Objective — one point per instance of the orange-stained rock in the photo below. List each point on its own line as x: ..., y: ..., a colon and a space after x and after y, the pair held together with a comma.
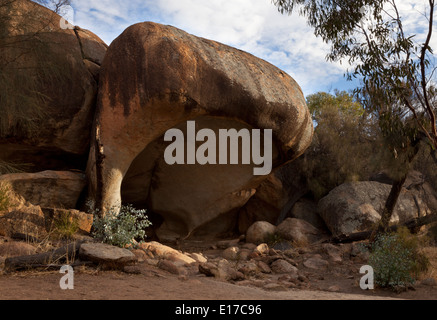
x: 157, y: 77
x: 51, y: 189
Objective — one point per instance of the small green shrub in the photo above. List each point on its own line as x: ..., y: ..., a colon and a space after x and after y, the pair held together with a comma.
x: 65, y: 226
x: 120, y: 229
x: 397, y: 260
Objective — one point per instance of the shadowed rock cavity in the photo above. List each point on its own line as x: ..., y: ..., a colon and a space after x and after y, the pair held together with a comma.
x: 50, y: 93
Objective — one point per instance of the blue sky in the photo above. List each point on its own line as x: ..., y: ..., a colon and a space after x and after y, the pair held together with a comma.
x: 254, y: 26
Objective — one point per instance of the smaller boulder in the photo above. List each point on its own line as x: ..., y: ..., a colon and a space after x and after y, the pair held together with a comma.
x: 109, y: 256
x: 259, y: 232
x: 298, y: 231
x: 306, y: 209
x: 83, y: 220
x: 355, y: 206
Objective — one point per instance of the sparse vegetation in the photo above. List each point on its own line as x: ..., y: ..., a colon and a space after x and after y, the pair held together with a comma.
x: 397, y: 259
x: 121, y: 229
x: 4, y: 197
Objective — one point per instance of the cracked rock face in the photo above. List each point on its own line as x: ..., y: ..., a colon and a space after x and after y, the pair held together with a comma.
x: 155, y: 78
x: 64, y: 65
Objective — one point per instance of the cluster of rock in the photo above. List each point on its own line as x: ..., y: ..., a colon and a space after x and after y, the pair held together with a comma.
x: 279, y: 267
x: 153, y: 78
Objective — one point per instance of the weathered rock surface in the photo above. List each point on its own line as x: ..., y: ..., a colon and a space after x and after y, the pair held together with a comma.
x: 222, y: 270
x: 51, y: 189
x: 316, y: 262
x: 356, y: 206
x: 417, y: 183
x: 160, y: 251
x: 275, y: 197
x: 157, y: 77
x: 50, y: 129
x: 107, y: 255
x: 15, y: 249
x: 26, y: 222
x: 83, y: 220
x: 232, y: 253
x: 265, y: 204
x: 282, y: 266
x: 259, y: 232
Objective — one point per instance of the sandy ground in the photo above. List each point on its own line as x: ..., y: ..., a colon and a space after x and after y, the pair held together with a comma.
x: 151, y: 283
x: 155, y: 284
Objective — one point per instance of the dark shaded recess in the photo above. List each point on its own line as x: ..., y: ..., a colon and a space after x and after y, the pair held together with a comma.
x: 35, y: 159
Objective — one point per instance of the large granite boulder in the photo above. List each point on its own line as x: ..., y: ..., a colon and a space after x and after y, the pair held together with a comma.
x: 50, y: 189
x: 357, y: 206
x: 155, y: 78
x: 49, y: 87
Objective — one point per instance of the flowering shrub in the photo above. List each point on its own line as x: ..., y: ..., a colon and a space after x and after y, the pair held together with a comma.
x: 121, y: 229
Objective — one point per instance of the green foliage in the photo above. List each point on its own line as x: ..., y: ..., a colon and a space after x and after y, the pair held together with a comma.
x: 345, y: 144
x: 65, y: 226
x: 12, y: 167
x: 397, y: 260
x: 121, y: 227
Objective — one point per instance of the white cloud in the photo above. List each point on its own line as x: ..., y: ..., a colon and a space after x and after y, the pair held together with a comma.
x: 253, y: 26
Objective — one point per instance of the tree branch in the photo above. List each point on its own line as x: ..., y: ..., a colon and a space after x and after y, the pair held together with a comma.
x: 364, y: 235
x: 425, y: 47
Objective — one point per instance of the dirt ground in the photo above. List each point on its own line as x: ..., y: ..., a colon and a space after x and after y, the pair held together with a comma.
x: 151, y: 283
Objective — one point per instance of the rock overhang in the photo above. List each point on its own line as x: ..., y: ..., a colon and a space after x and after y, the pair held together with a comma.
x: 155, y: 78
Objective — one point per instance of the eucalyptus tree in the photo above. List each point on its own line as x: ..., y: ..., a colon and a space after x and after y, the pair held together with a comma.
x: 394, y: 64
